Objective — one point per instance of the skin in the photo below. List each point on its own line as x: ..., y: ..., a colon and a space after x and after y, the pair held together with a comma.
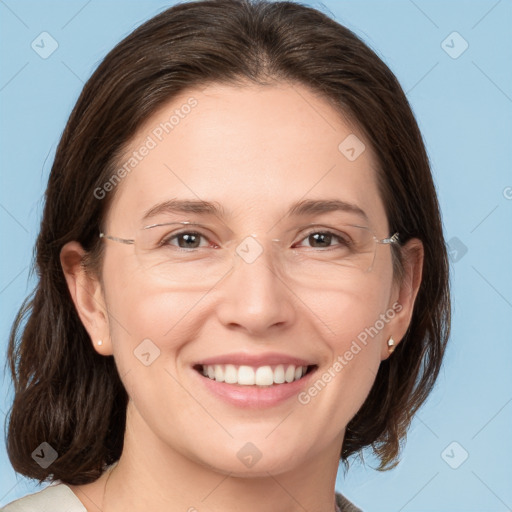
x: 255, y: 150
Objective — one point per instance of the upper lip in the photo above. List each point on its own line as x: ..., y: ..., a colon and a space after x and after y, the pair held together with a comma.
x: 256, y: 360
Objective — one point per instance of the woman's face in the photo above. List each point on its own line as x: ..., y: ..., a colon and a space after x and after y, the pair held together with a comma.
x: 254, y: 152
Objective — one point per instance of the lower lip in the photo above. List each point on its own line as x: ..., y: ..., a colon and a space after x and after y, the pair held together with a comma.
x: 255, y: 397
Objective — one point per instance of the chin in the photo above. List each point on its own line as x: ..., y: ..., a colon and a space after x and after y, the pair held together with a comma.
x: 250, y: 460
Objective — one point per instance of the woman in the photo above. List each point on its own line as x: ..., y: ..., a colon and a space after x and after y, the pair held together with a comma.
x: 243, y: 277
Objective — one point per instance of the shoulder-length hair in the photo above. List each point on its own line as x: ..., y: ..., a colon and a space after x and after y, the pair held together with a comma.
x: 69, y: 396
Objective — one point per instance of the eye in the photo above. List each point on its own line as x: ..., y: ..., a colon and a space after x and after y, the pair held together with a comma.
x: 186, y: 240
x: 325, y: 239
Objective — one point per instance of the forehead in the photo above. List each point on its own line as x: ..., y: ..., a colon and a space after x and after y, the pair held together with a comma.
x: 255, y: 150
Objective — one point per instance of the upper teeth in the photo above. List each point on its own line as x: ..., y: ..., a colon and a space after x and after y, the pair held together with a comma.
x: 249, y: 376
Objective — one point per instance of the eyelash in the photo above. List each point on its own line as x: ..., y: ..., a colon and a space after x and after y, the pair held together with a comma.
x: 166, y: 240
x: 341, y: 239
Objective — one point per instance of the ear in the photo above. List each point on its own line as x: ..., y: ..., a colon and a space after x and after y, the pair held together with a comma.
x: 87, y: 294
x: 405, y: 292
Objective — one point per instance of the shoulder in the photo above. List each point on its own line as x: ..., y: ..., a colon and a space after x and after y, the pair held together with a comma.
x: 54, y: 498
x: 345, y: 505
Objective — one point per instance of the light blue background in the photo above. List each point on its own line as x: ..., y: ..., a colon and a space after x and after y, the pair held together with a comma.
x: 464, y: 108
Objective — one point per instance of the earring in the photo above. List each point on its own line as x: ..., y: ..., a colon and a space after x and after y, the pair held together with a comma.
x: 100, y: 342
x: 391, y: 345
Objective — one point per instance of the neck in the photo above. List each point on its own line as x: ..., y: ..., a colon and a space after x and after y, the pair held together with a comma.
x: 150, y: 475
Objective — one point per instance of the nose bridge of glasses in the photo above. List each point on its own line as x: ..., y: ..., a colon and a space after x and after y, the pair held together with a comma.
x: 253, y: 247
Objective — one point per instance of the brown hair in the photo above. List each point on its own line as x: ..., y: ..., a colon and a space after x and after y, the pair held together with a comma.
x: 68, y: 395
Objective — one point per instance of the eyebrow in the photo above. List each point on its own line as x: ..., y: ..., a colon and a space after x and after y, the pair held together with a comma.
x: 300, y: 208
x: 315, y: 206
x: 186, y: 206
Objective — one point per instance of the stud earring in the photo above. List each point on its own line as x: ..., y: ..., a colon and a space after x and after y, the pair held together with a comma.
x: 391, y: 345
x: 100, y: 342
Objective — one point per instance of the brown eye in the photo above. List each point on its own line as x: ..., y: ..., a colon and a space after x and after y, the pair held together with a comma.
x: 189, y: 240
x: 320, y: 239
x: 185, y: 240
x: 324, y: 240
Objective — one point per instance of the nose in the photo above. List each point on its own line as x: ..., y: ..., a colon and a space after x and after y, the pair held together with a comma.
x: 255, y: 297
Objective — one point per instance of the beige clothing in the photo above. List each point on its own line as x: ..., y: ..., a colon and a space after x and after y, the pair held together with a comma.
x: 58, y: 497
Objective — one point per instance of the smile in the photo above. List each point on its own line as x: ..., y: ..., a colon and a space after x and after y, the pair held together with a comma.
x: 254, y: 381
x: 263, y: 376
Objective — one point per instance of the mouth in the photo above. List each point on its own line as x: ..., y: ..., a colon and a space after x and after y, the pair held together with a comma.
x: 254, y: 381
x: 255, y: 376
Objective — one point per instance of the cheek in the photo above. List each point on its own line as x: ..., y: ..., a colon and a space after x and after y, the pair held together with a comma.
x: 348, y: 314
x: 157, y: 315
x: 355, y: 324
x: 139, y: 311
x: 151, y: 329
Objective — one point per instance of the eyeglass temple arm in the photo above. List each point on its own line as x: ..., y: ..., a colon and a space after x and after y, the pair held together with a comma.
x: 391, y: 240
x: 117, y: 239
